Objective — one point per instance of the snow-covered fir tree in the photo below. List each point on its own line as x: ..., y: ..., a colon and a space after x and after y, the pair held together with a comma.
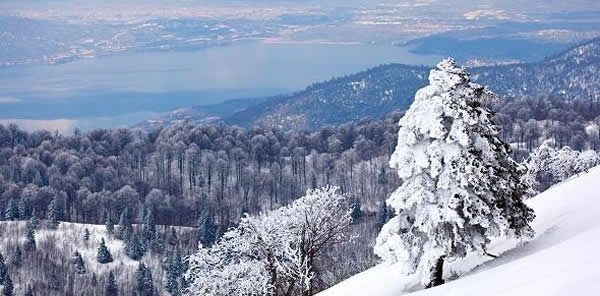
x: 207, y: 230
x: 24, y: 210
x: 110, y: 227
x: 94, y: 280
x: 3, y: 270
x: 356, y: 208
x: 172, y: 239
x: 8, y: 288
x: 382, y: 216
x: 86, y: 235
x: 144, y: 283
x: 110, y: 287
x: 460, y: 186
x: 34, y: 220
x: 12, y: 211
x: 29, y: 291
x: 103, y: 256
x: 134, y: 247
x: 54, y: 214
x: 175, y: 269
x: 157, y: 244
x: 30, y: 243
x: 17, y: 259
x: 78, y: 263
x: 54, y: 283
x: 125, y: 227
x: 149, y: 229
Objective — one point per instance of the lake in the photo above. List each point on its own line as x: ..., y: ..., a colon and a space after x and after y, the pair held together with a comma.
x: 126, y: 88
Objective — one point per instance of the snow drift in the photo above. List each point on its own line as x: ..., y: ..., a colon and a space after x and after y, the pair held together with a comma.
x: 560, y: 260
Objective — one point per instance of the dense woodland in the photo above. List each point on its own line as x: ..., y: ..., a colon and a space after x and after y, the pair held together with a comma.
x: 206, y: 177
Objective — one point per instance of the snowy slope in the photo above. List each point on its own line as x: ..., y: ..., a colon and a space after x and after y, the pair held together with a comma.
x: 560, y: 260
x: 55, y: 249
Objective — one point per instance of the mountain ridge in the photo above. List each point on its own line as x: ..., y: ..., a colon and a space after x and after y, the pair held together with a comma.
x: 379, y: 90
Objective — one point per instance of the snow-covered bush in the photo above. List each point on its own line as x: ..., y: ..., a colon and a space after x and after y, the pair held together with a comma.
x: 274, y: 252
x: 586, y: 160
x: 547, y: 166
x: 539, y: 174
x: 460, y: 187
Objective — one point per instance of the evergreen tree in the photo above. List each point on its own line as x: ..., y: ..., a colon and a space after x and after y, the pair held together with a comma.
x: 382, y: 216
x: 183, y: 285
x: 355, y: 207
x: 94, y: 280
x: 157, y: 244
x: 207, y: 230
x: 110, y: 227
x: 86, y: 235
x: 29, y: 291
x: 172, y: 238
x: 54, y: 213
x: 18, y: 259
x: 54, y: 283
x: 104, y: 256
x: 35, y: 220
x: 149, y: 229
x: 3, y: 270
x: 381, y: 177
x: 139, y: 279
x: 11, y: 212
x: 144, y: 282
x: 111, y: 288
x: 61, y: 204
x: 125, y: 227
x: 174, y: 288
x: 8, y: 288
x: 78, y: 263
x: 134, y: 247
x: 244, y: 210
x: 460, y: 186
x: 174, y: 269
x: 171, y: 283
x: 149, y: 283
x: 24, y: 210
x: 30, y: 244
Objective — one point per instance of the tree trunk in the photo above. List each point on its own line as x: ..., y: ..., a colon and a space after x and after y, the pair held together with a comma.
x: 436, y: 273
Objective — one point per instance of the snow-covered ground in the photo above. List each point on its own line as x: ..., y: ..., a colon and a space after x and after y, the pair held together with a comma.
x: 55, y: 248
x: 560, y: 260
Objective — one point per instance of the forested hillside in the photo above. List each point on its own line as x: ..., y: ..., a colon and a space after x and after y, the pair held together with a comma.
x: 207, y: 176
x: 373, y: 93
x: 203, y: 177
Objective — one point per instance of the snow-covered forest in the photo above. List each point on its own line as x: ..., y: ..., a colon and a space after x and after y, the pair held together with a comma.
x: 153, y: 197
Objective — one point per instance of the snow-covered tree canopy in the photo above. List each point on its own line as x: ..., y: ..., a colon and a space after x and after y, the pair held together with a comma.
x: 547, y: 166
x: 274, y: 253
x: 460, y: 187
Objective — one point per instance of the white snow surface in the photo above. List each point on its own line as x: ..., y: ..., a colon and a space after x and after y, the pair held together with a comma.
x: 560, y: 260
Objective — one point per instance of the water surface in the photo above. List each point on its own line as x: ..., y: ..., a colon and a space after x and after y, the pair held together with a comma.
x: 129, y: 87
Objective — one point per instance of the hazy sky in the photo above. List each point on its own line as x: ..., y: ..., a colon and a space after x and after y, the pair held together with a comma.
x: 513, y: 5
